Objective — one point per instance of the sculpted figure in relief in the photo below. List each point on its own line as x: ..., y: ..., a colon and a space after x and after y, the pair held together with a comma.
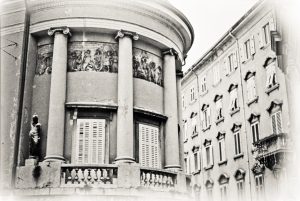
x: 34, y: 137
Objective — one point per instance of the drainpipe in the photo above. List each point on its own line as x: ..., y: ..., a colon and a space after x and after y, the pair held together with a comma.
x: 21, y: 93
x: 244, y: 113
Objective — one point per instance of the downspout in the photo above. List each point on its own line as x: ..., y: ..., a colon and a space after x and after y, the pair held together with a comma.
x: 21, y: 93
x: 244, y: 113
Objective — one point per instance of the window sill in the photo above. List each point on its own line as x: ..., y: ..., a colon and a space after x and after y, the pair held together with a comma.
x: 247, y: 60
x: 192, y: 102
x: 185, y: 141
x: 217, y: 83
x: 230, y: 73
x: 194, y: 135
x: 266, y: 45
x: 209, y: 167
x: 236, y: 110
x: 204, y: 93
x: 207, y: 128
x: 241, y: 155
x: 222, y: 162
x: 219, y: 120
x: 272, y: 88
x: 255, y: 100
x: 197, y: 172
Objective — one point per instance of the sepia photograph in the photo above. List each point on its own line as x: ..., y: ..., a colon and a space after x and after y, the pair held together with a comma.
x: 149, y: 100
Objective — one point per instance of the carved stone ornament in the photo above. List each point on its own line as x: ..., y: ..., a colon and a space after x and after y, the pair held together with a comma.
x: 44, y: 59
x: 171, y: 52
x: 63, y: 30
x: 34, y: 137
x: 122, y: 33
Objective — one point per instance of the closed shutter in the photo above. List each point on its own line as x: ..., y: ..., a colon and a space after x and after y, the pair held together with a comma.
x: 273, y: 117
x: 204, y: 157
x: 235, y: 63
x: 149, y: 150
x: 252, y: 45
x: 208, y: 116
x: 90, y: 141
x: 242, y: 55
x: 278, y: 122
x: 202, y: 119
x: 211, y: 155
x: 272, y: 24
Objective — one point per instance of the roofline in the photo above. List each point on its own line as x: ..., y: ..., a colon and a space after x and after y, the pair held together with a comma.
x: 226, y: 35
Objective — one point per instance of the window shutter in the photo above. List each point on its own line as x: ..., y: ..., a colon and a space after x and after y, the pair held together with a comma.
x: 242, y: 54
x: 278, y: 122
x: 199, y: 163
x: 202, y: 119
x: 235, y: 63
x: 252, y: 45
x: 274, y: 124
x: 272, y: 24
x: 208, y: 116
x: 249, y: 90
x: 211, y: 155
x: 226, y: 66
x: 90, y: 145
x: 149, y: 146
x: 260, y: 35
x: 204, y: 157
x: 188, y: 165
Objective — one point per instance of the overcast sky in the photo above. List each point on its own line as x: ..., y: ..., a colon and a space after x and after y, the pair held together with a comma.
x: 211, y: 19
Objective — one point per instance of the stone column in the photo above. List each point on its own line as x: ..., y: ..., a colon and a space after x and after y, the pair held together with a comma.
x: 56, y: 120
x: 125, y: 132
x: 170, y: 107
x: 179, y: 76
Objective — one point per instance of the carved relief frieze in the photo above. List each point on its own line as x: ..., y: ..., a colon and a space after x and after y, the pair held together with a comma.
x: 44, y: 59
x: 93, y: 56
x: 147, y: 66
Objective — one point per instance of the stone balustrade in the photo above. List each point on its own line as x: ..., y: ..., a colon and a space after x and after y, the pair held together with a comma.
x: 80, y: 175
x: 158, y: 178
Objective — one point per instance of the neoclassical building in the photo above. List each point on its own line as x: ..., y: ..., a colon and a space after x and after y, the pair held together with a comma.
x: 89, y: 97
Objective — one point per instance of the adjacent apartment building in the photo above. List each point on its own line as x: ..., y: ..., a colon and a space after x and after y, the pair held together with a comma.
x: 237, y: 127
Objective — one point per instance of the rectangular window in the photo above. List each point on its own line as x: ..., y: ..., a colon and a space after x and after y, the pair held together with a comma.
x: 90, y: 141
x: 222, y: 152
x: 247, y: 49
x: 255, y: 131
x: 251, y: 88
x: 276, y: 122
x: 208, y: 159
x: 197, y: 161
x: 240, y: 190
x: 259, y: 186
x: 233, y: 100
x: 186, y: 164
x: 183, y: 103
x: 205, y: 117
x: 237, y: 143
x: 185, y: 130
x: 219, y: 107
x: 216, y: 72
x: 266, y: 33
x: 223, y: 189
x: 192, y: 94
x: 231, y: 62
x: 149, y: 147
x: 203, y: 85
x: 271, y: 75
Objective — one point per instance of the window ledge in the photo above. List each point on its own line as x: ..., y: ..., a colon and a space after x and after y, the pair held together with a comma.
x: 254, y: 100
x: 219, y: 120
x: 224, y: 162
x: 272, y: 88
x: 236, y: 110
x: 265, y: 46
x: 209, y: 167
x: 217, y: 83
x: 241, y: 155
x: 230, y: 73
x: 192, y: 102
x: 204, y: 93
x: 197, y: 172
x: 185, y: 141
x: 194, y: 135
x: 207, y: 128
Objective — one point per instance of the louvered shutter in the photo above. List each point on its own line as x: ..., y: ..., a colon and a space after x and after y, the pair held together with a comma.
x: 274, y: 124
x: 260, y: 35
x: 199, y: 163
x: 278, y: 122
x: 242, y: 54
x: 204, y: 157
x: 252, y: 45
x: 202, y: 119
x: 272, y: 24
x: 208, y: 115
x: 90, y: 141
x: 188, y: 165
x: 211, y: 153
x: 149, y: 150
x: 235, y: 63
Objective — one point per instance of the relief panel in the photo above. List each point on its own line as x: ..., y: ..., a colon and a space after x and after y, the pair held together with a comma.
x: 147, y: 66
x: 44, y: 59
x: 92, y: 56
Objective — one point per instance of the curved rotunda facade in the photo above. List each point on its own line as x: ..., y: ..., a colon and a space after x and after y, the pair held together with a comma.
x: 101, y: 82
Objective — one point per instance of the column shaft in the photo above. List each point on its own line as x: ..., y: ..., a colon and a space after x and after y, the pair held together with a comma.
x: 170, y: 106
x: 125, y: 102
x: 56, y: 120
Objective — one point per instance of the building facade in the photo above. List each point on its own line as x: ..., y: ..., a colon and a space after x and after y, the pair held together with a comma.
x: 236, y: 111
x: 89, y: 98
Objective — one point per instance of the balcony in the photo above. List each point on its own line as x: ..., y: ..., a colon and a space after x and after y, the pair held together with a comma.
x: 271, y: 150
x: 54, y: 178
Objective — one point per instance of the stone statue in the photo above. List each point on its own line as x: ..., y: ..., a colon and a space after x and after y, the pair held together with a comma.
x: 34, y: 137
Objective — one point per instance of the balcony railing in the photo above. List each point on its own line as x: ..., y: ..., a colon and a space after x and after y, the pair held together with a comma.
x: 81, y: 175
x: 155, y: 178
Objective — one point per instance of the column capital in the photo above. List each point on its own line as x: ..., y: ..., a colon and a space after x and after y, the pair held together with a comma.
x: 179, y: 73
x: 63, y: 30
x: 170, y: 51
x: 122, y: 33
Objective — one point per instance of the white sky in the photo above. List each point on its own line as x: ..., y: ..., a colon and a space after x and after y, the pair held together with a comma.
x: 210, y: 20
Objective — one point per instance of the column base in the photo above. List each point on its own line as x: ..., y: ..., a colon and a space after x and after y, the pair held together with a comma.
x: 124, y: 159
x: 54, y: 158
x: 175, y: 168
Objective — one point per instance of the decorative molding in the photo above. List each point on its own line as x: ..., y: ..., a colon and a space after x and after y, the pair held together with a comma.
x: 44, y: 59
x: 239, y: 174
x: 224, y: 178
x: 170, y: 51
x: 123, y: 33
x: 64, y: 30
x: 274, y: 104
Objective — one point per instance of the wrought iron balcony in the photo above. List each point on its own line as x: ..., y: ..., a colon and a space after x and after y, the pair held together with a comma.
x: 271, y: 150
